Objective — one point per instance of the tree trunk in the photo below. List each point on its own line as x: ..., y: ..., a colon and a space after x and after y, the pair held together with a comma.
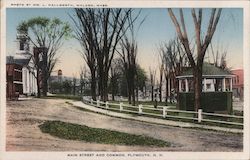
x: 129, y: 95
x: 45, y: 75
x: 81, y: 89
x: 197, y: 86
x: 152, y: 93
x: 93, y: 85
x: 38, y: 85
x: 160, y: 91
x: 113, y: 87
x: 45, y: 87
x: 74, y: 89
x: 100, y: 82
x: 171, y: 88
x: 133, y: 92
x: 137, y: 94
x: 105, y: 88
x: 113, y: 96
x: 167, y: 90
x: 177, y: 94
x: 128, y: 85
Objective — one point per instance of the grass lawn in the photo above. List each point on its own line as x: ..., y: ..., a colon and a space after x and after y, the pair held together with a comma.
x: 147, y: 103
x: 84, y: 133
x: 65, y: 96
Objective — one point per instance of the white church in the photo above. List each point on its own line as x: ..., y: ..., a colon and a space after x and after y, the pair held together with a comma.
x: 24, y: 58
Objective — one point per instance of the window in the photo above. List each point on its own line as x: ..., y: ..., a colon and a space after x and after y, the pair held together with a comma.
x: 208, y: 86
x: 21, y: 46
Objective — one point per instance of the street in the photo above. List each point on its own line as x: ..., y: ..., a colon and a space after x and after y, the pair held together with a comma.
x: 23, y: 133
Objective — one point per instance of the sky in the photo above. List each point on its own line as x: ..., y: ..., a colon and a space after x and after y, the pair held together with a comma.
x: 157, y: 28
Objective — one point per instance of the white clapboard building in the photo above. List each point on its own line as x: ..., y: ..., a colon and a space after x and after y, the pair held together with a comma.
x: 24, y: 58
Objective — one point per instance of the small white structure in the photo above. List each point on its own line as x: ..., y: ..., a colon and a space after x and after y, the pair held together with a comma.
x: 216, y: 93
x: 213, y: 79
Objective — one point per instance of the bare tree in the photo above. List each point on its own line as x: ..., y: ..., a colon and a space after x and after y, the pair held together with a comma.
x: 174, y: 60
x: 104, y: 28
x: 116, y: 72
x: 219, y: 57
x: 218, y: 60
x: 201, y: 44
x: 128, y: 56
x: 86, y: 27
x: 152, y: 74
x: 161, y: 69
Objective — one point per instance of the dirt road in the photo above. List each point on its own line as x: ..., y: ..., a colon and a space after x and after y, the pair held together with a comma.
x: 23, y: 134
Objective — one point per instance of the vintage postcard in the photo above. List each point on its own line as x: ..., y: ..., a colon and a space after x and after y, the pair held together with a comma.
x: 124, y: 80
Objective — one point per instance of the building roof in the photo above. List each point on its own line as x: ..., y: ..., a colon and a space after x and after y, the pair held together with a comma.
x: 208, y: 70
x: 23, y: 61
x: 10, y: 60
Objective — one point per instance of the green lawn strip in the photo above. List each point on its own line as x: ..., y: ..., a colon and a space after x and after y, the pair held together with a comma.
x: 65, y: 96
x: 146, y: 103
x: 84, y: 133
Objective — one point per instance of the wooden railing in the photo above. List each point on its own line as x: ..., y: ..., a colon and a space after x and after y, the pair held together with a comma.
x: 167, y: 113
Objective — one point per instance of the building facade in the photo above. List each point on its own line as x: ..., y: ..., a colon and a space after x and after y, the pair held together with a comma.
x: 14, y: 84
x: 20, y: 70
x: 238, y: 83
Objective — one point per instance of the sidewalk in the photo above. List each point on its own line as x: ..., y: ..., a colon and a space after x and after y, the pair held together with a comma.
x: 153, y: 120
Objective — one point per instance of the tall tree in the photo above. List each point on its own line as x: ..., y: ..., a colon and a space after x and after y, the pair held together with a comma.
x: 202, y: 43
x: 161, y: 69
x: 174, y: 60
x: 102, y: 29
x: 128, y: 56
x: 219, y: 57
x: 141, y: 79
x: 48, y: 34
x: 86, y: 27
x: 116, y: 72
x: 152, y: 74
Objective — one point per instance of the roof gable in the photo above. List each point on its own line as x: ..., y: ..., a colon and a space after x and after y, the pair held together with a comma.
x: 208, y: 69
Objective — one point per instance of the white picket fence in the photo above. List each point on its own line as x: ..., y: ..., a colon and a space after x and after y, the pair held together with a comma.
x: 167, y: 112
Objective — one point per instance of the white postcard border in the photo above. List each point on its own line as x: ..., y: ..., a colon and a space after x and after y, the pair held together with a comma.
x: 138, y: 4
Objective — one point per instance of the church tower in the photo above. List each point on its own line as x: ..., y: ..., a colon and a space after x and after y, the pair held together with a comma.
x: 22, y: 43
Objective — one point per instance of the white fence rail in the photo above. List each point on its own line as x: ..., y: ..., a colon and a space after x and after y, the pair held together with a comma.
x: 166, y: 112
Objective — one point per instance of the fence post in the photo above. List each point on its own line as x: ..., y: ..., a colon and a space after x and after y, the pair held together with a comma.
x: 121, y: 108
x: 107, y: 104
x: 164, y: 112
x: 91, y: 101
x: 199, y: 115
x: 140, y: 109
x: 98, y: 103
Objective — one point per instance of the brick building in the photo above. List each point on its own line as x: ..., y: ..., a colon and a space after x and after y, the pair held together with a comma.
x: 14, y: 80
x: 238, y: 83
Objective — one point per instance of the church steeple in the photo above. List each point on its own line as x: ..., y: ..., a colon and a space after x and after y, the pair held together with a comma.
x: 23, y: 42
